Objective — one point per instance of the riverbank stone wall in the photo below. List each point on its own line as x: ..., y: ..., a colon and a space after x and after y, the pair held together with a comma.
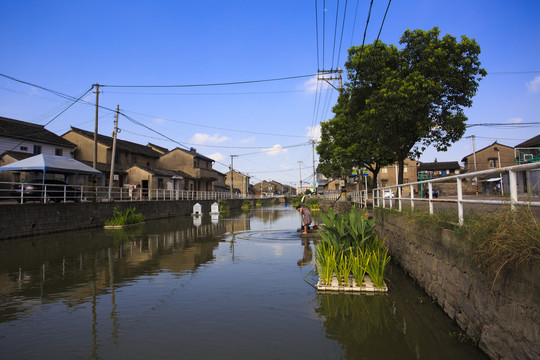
x: 18, y: 220
x: 504, y: 318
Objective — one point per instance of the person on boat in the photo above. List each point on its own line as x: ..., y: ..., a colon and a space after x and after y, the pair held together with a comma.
x: 306, y: 218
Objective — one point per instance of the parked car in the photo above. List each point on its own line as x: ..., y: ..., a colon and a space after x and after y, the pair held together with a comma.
x: 388, y: 194
x: 434, y: 192
x: 50, y: 190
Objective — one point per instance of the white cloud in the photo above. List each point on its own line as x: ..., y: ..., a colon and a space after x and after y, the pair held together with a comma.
x: 515, y: 120
x: 534, y: 86
x: 248, y: 140
x: 217, y: 156
x: 199, y: 138
x: 285, y: 166
x: 312, y: 84
x: 159, y: 120
x: 275, y: 150
x: 314, y: 132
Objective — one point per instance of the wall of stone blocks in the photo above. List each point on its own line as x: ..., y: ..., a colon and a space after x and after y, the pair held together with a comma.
x: 503, y: 317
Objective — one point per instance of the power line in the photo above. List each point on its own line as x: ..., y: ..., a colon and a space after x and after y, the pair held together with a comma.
x: 220, y: 128
x: 211, y: 84
x: 317, y: 32
x: 384, y: 18
x: 342, y: 31
x: 524, y: 125
x: 335, y: 34
x: 367, y: 23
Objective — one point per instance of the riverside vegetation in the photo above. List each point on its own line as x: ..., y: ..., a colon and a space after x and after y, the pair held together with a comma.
x: 126, y: 217
x: 350, y: 246
x: 498, y: 241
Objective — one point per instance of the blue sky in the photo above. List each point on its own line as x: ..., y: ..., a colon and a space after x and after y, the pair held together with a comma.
x: 67, y: 46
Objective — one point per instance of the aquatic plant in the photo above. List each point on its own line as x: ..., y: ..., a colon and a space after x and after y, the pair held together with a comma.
x: 355, y: 246
x: 223, y: 207
x: 258, y: 203
x: 360, y: 261
x: 126, y: 217
x: 325, y: 261
x: 343, y: 267
x: 246, y: 205
x: 377, y: 264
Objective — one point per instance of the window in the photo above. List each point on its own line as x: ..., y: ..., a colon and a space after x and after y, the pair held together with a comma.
x: 37, y: 149
x: 492, y: 163
x: 24, y: 148
x: 384, y: 170
x: 160, y: 183
x: 58, y: 152
x: 195, y: 163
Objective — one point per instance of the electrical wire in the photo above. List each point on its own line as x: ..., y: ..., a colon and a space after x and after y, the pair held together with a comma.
x: 335, y: 34
x: 365, y: 29
x: 317, y: 32
x: 211, y: 84
x: 517, y: 125
x: 384, y: 18
x: 342, y: 31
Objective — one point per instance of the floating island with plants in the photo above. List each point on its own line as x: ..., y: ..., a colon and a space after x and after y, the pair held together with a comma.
x: 349, y: 255
x: 122, y: 219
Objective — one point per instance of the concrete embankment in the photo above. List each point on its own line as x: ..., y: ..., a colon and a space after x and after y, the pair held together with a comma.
x: 34, y: 218
x: 503, y: 318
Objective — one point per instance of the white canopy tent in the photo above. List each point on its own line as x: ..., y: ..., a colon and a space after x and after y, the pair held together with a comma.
x: 51, y: 164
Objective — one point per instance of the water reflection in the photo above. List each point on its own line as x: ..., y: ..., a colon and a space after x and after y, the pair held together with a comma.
x: 222, y: 289
x: 76, y: 269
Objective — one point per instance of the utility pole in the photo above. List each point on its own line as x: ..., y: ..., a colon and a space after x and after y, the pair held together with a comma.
x: 326, y: 75
x: 232, y: 167
x: 474, y: 156
x: 300, y: 167
x: 111, y: 176
x: 313, y: 142
x: 94, y: 164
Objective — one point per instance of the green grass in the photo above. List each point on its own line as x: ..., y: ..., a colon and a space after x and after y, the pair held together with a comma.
x: 497, y: 241
x: 126, y: 217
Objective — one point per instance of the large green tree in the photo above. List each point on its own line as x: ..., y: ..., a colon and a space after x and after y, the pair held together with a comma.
x: 397, y: 102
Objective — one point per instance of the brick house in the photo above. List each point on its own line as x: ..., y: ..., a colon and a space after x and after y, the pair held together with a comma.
x: 127, y: 155
x: 388, y: 175
x: 198, y: 166
x: 488, y: 158
x: 240, y: 181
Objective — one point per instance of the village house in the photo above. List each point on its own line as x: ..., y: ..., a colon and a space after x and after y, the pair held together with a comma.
x: 20, y: 140
x: 488, y: 158
x: 127, y: 155
x: 437, y: 169
x: 239, y: 181
x: 197, y: 166
x: 529, y: 152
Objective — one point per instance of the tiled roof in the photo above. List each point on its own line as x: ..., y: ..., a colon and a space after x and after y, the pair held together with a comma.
x: 22, y: 130
x: 194, y: 153
x: 477, y: 151
x: 121, y: 145
x: 17, y: 155
x: 439, y: 165
x: 164, y: 172
x: 534, y: 142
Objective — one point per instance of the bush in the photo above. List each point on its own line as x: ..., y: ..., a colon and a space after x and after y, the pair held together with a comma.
x: 126, y: 217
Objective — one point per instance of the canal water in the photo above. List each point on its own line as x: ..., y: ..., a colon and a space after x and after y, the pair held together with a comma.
x: 237, y: 287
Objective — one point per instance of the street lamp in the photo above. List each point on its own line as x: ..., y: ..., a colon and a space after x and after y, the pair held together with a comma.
x: 500, y: 174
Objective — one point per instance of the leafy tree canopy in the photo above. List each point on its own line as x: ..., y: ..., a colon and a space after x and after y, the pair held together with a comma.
x: 399, y: 101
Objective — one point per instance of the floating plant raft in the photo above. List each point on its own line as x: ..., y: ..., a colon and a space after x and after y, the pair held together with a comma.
x: 367, y: 286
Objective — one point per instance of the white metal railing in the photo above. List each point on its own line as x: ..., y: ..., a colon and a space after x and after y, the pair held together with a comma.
x: 58, y: 192
x: 459, y: 200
